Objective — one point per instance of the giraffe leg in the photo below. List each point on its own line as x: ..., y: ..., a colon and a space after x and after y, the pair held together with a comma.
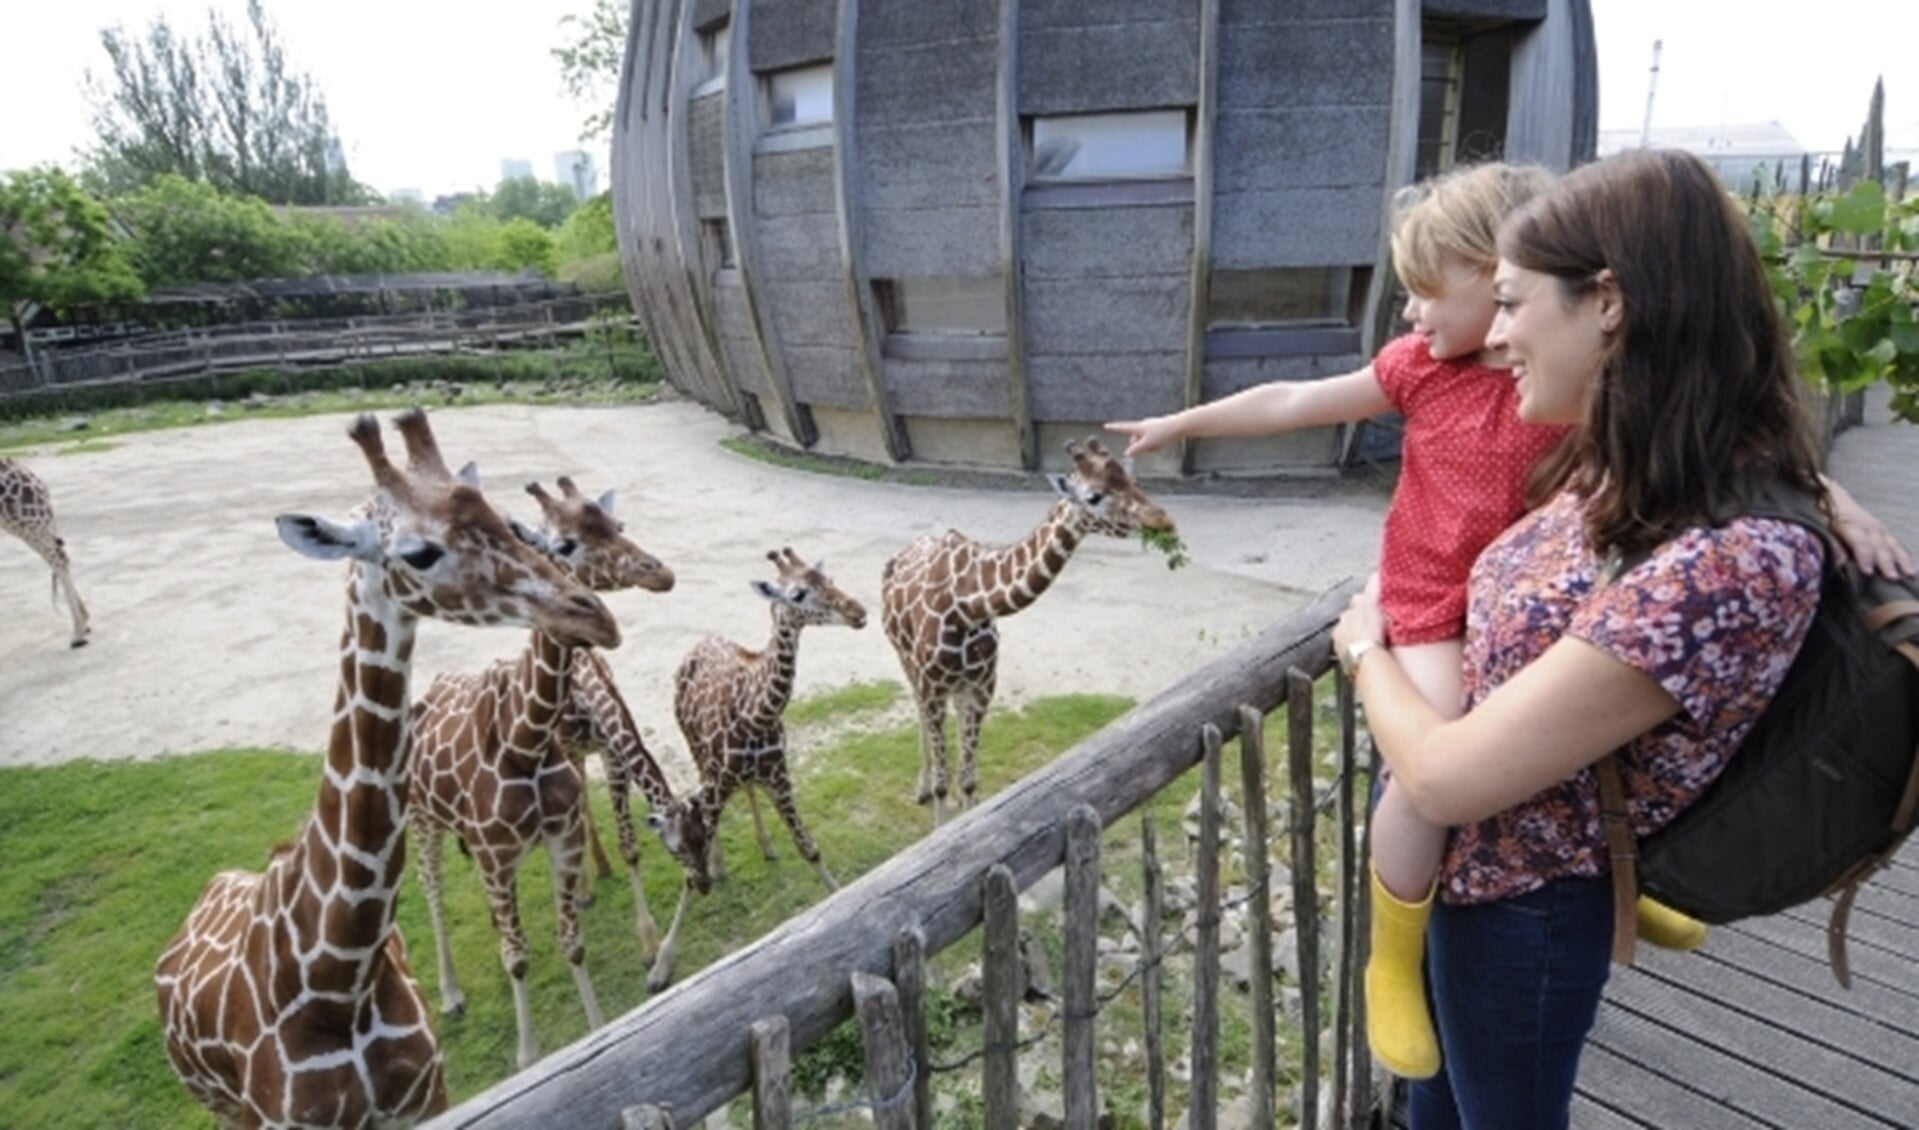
x: 602, y: 863
x: 567, y: 851
x: 662, y: 972
x: 82, y: 621
x: 781, y: 787
x: 972, y: 712
x: 431, y: 839
x: 644, y: 927
x: 759, y: 825
x: 501, y: 877
x: 933, y: 762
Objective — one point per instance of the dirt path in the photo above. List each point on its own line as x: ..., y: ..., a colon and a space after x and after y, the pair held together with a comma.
x: 209, y: 633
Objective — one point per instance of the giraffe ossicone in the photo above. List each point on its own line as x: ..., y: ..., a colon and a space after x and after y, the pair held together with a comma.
x: 285, y: 997
x: 942, y: 596
x: 26, y: 512
x: 487, y: 766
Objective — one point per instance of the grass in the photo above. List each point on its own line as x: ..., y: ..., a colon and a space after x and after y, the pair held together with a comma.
x: 105, y: 858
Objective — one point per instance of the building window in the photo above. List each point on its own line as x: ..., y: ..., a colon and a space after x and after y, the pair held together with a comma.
x: 802, y: 96
x: 716, y: 245
x: 1130, y: 146
x: 715, y: 44
x: 1273, y: 297
x: 1441, y: 70
x: 942, y: 305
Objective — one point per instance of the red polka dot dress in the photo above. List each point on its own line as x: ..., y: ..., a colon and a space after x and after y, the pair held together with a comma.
x: 1463, y: 463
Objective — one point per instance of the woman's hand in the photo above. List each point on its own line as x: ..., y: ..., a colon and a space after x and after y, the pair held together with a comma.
x: 1363, y: 621
x: 1871, y: 545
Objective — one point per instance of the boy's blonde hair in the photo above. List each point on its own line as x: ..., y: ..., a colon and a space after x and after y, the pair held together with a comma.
x: 1455, y: 218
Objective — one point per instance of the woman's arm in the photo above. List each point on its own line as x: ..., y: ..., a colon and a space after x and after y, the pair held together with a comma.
x: 1267, y: 409
x: 1865, y: 537
x: 1564, y: 711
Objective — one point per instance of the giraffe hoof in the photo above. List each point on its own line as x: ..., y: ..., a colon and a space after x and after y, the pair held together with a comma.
x: 657, y: 980
x: 453, y: 1010
x: 925, y: 797
x: 78, y: 643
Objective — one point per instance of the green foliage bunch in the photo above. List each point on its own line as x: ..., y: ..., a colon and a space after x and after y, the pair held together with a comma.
x: 57, y: 246
x: 1843, y: 266
x: 526, y: 198
x: 188, y: 231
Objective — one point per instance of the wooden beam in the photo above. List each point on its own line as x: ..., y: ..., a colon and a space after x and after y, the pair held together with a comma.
x: 1200, y: 286
x: 1012, y: 185
x: 695, y: 276
x: 849, y: 210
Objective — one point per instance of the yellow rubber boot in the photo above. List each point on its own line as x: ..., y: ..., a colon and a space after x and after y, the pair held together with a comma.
x: 1398, y: 1025
x: 1668, y: 928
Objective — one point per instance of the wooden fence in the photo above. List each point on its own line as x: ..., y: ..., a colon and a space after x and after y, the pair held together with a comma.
x: 330, y: 341
x: 733, y: 1028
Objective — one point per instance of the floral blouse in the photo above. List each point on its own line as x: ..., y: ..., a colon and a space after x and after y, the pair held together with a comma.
x: 1715, y: 615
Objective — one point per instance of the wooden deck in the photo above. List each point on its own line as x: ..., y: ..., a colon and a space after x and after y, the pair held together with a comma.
x: 1753, y: 1031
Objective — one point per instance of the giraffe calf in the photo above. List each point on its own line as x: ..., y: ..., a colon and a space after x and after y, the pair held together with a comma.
x: 730, y: 701
x: 26, y: 512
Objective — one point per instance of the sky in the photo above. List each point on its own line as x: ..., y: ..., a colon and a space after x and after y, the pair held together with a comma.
x: 433, y: 94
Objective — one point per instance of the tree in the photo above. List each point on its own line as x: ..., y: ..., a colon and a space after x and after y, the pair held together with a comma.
x: 188, y: 231
x: 547, y: 205
x: 225, y: 109
x: 590, y: 63
x: 57, y: 247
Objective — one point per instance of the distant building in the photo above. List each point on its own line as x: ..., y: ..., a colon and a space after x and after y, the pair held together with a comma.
x: 970, y: 231
x: 335, y: 157
x: 514, y: 168
x: 1740, y: 152
x: 407, y: 196
x: 574, y: 168
x: 452, y: 202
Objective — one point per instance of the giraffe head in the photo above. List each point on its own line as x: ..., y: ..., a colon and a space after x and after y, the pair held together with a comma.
x: 435, y: 547
x: 807, y: 595
x: 1102, y: 488
x: 684, y: 833
x: 583, y: 537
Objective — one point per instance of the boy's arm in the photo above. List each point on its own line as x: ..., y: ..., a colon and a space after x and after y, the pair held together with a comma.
x: 1267, y: 409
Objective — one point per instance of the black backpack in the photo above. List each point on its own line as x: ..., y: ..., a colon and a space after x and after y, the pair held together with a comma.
x: 1825, y: 788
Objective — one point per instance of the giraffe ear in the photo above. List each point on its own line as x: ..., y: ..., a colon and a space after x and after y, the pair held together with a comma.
x: 769, y: 591
x: 1063, y: 485
x: 606, y: 504
x: 535, y: 538
x: 470, y: 474
x: 328, y: 541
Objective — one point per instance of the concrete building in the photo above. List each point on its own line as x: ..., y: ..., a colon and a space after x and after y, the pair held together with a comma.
x: 576, y: 169
x: 515, y: 168
x: 962, y: 232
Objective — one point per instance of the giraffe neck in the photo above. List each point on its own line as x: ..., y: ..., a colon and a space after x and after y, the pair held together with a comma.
x: 540, y: 683
x: 775, y: 669
x: 1011, y: 578
x: 593, y: 682
x: 352, y: 852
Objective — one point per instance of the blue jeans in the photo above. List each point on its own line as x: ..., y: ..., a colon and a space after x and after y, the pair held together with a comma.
x: 1515, y: 987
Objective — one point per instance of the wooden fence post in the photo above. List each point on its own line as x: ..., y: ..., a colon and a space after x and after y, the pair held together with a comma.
x: 1082, y: 959
x: 1202, y: 1107
x: 909, y: 978
x: 1299, y: 765
x: 770, y: 1040
x: 1000, y: 986
x: 1259, y: 869
x: 889, y: 1066
x: 1151, y: 959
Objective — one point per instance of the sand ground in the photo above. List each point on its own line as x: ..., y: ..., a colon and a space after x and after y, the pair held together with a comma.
x: 209, y: 633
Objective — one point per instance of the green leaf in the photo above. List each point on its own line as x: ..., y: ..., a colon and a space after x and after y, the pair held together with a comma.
x: 1861, y: 211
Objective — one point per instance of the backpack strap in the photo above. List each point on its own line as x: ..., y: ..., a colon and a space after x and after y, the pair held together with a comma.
x: 1624, y: 849
x: 1903, y: 817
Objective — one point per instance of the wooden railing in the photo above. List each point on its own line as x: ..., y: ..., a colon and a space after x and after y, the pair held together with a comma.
x: 731, y: 1029
x: 329, y: 341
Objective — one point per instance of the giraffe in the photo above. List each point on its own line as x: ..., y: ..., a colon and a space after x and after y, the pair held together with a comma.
x: 729, y: 703
x: 941, y: 597
x: 26, y: 512
x: 285, y: 997
x: 597, y: 715
x: 485, y: 766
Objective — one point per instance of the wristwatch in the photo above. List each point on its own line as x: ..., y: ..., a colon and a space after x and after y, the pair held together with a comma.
x: 1350, y: 656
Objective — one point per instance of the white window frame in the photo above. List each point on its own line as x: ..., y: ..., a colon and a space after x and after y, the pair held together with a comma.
x: 811, y: 90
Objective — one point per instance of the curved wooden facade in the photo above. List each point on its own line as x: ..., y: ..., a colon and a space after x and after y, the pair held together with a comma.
x: 962, y: 231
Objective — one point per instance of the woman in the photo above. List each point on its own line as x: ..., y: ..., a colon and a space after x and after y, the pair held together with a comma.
x: 1684, y: 400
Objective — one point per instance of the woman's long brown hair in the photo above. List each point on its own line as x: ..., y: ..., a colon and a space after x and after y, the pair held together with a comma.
x: 1698, y: 404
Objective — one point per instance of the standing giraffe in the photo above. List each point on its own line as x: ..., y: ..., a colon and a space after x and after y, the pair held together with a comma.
x: 26, y: 512
x: 486, y: 767
x: 285, y: 997
x: 729, y: 702
x: 597, y: 715
x: 941, y: 597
